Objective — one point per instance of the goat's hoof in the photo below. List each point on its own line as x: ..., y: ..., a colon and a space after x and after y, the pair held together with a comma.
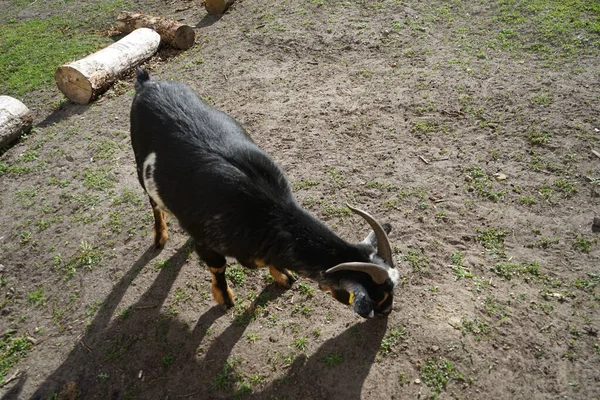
x: 223, y: 298
x: 160, y: 241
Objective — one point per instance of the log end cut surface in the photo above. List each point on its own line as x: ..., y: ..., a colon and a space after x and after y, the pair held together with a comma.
x: 73, y: 84
x: 185, y: 37
x: 216, y: 7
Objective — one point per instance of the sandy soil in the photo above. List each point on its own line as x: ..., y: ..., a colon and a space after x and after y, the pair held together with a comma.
x: 479, y: 157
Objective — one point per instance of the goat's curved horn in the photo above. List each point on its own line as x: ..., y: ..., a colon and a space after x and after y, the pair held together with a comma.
x: 377, y: 272
x: 384, y: 249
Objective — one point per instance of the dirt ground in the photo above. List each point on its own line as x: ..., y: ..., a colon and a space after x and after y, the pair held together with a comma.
x: 476, y: 148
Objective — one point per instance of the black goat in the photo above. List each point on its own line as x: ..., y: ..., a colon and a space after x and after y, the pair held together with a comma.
x: 201, y: 166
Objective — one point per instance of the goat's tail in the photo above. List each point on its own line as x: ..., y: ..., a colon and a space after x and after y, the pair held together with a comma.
x: 142, y: 77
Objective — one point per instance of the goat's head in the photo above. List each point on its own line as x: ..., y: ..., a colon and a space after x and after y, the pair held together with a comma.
x: 372, y: 291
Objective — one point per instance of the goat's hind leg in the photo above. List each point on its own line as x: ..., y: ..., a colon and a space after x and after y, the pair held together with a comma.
x: 161, y: 233
x: 217, y: 264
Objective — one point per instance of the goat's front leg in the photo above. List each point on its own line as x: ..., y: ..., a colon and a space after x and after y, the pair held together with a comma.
x: 161, y: 234
x: 217, y: 264
x: 282, y: 276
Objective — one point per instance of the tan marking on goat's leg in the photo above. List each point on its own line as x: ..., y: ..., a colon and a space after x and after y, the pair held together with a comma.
x: 161, y: 233
x: 280, y: 277
x: 221, y: 292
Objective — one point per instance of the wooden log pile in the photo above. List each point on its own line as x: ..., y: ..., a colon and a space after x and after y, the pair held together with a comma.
x: 83, y: 80
x: 179, y: 36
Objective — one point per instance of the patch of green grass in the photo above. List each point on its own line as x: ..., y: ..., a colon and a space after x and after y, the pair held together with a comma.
x: 391, y: 339
x: 567, y: 188
x: 527, y: 200
x: 331, y: 211
x: 114, y: 222
x: 482, y: 184
x: 587, y: 284
x: 30, y: 155
x: 304, y: 184
x: 544, y: 243
x: 225, y: 379
x: 424, y: 127
x: 507, y: 270
x: 417, y: 259
x: 13, y: 170
x: 252, y: 337
x: 127, y: 196
x: 542, y: 99
x: 119, y: 346
x: 378, y: 185
x: 436, y: 373
x: 537, y: 138
x: 459, y: 270
x: 584, y: 244
x: 50, y: 42
x: 551, y: 28
x: 167, y: 361
x: 306, y: 289
x: 160, y: 264
x: 474, y: 326
x: 88, y: 257
x: 416, y: 192
x: 98, y: 178
x: 104, y: 150
x: 301, y: 343
x: 491, y: 238
x: 12, y: 349
x: 37, y: 297
x: 236, y: 275
x: 494, y: 309
x: 305, y: 310
x: 333, y: 359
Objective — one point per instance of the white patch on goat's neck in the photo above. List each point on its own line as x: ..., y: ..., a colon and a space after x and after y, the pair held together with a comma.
x: 149, y: 182
x: 394, y: 275
x: 372, y: 257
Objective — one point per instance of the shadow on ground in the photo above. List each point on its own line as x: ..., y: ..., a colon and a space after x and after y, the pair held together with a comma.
x: 109, y: 359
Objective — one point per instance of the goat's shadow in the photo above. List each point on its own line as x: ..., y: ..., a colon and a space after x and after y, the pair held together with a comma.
x: 151, y: 355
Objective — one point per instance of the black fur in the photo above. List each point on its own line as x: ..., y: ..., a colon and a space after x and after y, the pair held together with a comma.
x: 229, y: 195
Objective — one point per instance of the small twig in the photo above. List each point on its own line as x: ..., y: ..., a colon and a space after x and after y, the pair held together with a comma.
x: 144, y: 307
x: 544, y: 328
x: 440, y: 200
x: 225, y: 75
x: 424, y: 160
x: 442, y: 159
x: 12, y: 378
x: 596, y: 153
x: 86, y: 346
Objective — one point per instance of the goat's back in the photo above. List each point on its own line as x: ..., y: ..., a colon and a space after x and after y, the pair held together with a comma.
x: 206, y: 167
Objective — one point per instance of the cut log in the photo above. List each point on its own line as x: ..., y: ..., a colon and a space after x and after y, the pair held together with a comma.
x: 179, y: 36
x: 217, y: 6
x: 15, y: 119
x: 81, y: 81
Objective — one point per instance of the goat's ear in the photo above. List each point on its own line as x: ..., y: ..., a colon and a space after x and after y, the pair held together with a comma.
x: 371, y: 239
x: 362, y: 303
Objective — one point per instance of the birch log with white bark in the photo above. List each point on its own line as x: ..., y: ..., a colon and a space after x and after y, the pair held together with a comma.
x: 81, y: 81
x: 217, y: 6
x: 179, y: 36
x: 15, y: 119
